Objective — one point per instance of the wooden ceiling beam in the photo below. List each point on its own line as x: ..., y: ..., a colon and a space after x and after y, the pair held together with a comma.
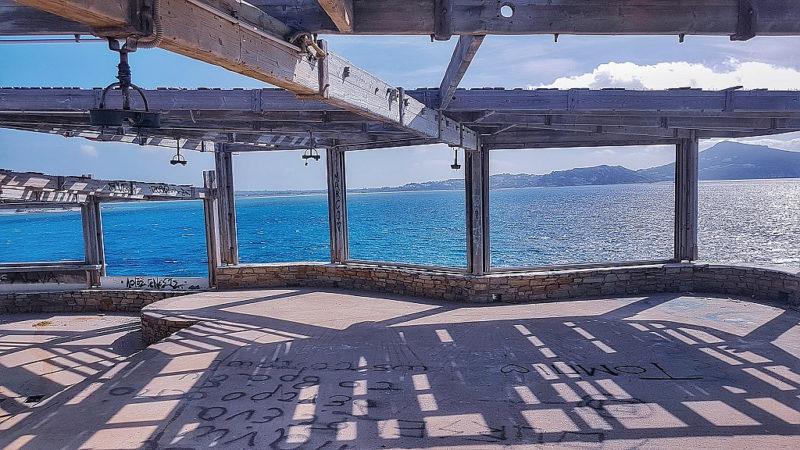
x: 194, y: 29
x: 19, y: 20
x: 676, y: 102
x: 30, y: 185
x: 579, y: 17
x: 480, y: 17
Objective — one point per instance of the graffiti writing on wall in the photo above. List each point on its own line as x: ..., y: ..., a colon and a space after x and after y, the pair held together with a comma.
x: 154, y: 283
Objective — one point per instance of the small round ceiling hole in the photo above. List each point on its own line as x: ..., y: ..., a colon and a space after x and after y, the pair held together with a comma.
x: 507, y: 10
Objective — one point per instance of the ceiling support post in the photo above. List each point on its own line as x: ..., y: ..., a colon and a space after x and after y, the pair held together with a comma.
x: 229, y: 244
x: 686, y: 198
x: 210, y: 213
x: 93, y: 246
x: 337, y: 205
x: 476, y: 182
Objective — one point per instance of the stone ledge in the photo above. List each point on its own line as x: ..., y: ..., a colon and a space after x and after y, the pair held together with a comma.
x: 85, y: 300
x: 521, y: 286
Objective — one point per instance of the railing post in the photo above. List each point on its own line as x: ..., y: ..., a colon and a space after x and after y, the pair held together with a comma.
x: 476, y: 183
x: 337, y: 205
x: 686, y: 197
x: 226, y: 206
x: 210, y: 212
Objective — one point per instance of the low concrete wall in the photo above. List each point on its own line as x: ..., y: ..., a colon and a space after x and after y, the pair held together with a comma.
x: 86, y: 300
x: 763, y: 284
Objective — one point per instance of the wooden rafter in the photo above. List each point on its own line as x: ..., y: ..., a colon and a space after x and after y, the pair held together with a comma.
x: 205, y: 33
x: 465, y: 51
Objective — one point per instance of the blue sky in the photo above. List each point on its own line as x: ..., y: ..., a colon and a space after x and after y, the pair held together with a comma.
x: 408, y: 61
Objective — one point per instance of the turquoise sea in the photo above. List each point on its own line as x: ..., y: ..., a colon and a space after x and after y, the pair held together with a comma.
x: 753, y: 221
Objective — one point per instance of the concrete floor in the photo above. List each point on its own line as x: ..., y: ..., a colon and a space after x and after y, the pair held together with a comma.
x: 41, y: 355
x: 301, y: 368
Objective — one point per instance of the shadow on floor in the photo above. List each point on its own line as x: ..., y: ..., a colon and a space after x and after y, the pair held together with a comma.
x: 304, y: 368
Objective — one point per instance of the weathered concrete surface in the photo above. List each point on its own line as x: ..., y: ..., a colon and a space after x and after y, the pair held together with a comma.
x: 305, y: 368
x: 42, y: 355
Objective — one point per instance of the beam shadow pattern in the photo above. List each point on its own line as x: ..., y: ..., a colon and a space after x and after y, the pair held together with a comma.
x: 306, y: 368
x: 42, y: 355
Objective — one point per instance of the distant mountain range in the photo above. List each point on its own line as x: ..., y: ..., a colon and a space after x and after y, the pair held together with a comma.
x: 724, y: 161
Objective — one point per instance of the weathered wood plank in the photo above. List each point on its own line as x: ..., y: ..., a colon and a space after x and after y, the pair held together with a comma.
x: 19, y: 20
x: 476, y: 17
x: 686, y: 198
x: 93, y: 240
x: 585, y: 101
x: 96, y: 14
x: 210, y: 214
x: 250, y: 14
x: 676, y: 104
x: 560, y: 139
x: 340, y: 12
x: 607, y: 17
x: 256, y: 116
x: 465, y: 51
x: 476, y: 183
x: 337, y: 206
x: 226, y: 206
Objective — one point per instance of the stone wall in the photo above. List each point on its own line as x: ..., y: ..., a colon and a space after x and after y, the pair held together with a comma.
x: 521, y: 286
x: 748, y: 281
x: 86, y: 300
x: 156, y: 327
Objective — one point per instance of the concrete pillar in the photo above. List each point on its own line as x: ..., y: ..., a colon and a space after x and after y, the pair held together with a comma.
x: 93, y: 245
x: 210, y: 213
x: 337, y: 206
x: 686, y: 184
x: 226, y: 206
x: 476, y: 183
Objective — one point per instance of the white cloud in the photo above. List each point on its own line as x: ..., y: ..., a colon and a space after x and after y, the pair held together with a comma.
x: 750, y: 75
x: 89, y: 150
x: 788, y: 141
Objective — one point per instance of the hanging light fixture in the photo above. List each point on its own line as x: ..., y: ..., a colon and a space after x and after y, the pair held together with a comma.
x: 311, y: 152
x: 103, y: 116
x: 455, y: 165
x: 178, y: 158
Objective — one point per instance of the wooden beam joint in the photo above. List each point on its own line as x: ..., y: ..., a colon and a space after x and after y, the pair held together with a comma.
x: 442, y: 20
x: 340, y: 12
x: 746, y: 22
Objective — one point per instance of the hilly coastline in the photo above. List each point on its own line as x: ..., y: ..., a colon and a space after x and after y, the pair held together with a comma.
x: 724, y: 161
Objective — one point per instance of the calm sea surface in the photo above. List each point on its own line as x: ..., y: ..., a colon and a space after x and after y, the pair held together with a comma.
x: 756, y: 222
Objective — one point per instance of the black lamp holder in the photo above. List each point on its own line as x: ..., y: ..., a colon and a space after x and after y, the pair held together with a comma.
x: 116, y: 117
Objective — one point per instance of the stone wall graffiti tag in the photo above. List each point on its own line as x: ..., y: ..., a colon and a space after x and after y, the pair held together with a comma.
x: 154, y: 283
